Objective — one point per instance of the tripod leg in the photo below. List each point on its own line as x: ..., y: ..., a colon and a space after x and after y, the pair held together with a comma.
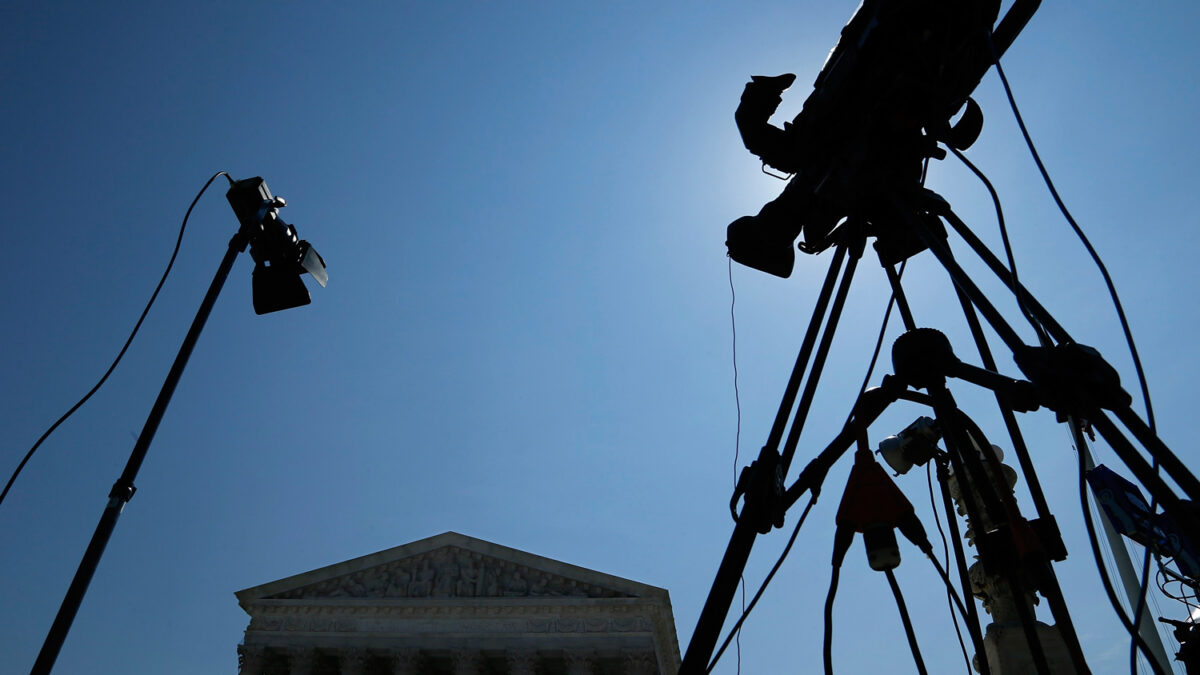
x: 1010, y: 420
x: 1134, y: 633
x: 906, y: 314
x: 1147, y: 476
x: 720, y: 597
x: 961, y: 454
x: 1169, y: 460
x: 1043, y: 570
x: 814, y: 376
x: 737, y: 553
x: 941, y: 250
x: 810, y: 339
x: 1027, y: 300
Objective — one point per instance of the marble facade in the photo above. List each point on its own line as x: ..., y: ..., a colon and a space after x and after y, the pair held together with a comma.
x: 456, y: 605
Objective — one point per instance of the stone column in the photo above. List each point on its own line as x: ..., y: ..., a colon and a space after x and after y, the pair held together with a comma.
x: 251, y: 659
x: 466, y: 661
x: 580, y: 661
x: 639, y: 663
x: 523, y: 662
x: 1005, y: 644
x: 352, y: 661
x: 301, y: 660
x: 406, y: 661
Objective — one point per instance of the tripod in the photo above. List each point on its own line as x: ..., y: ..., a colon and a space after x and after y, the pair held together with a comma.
x: 1059, y: 374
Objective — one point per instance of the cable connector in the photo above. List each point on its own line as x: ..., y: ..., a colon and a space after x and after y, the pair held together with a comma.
x: 873, y: 505
x: 910, y: 526
x: 122, y: 491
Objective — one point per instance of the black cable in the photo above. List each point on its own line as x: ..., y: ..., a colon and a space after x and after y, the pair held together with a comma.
x: 907, y: 621
x: 124, y: 348
x: 735, y: 631
x: 950, y: 593
x: 1140, y: 605
x: 1176, y: 576
x: 737, y: 398
x: 1144, y: 580
x: 1182, y: 597
x: 1095, y: 543
x: 1162, y: 578
x: 737, y: 439
x: 761, y: 589
x: 827, y: 641
x: 887, y: 314
x: 842, y: 538
x: 912, y: 530
x: 874, y: 357
x: 833, y: 582
x: 1112, y: 291
x: 1043, y: 337
x: 870, y: 369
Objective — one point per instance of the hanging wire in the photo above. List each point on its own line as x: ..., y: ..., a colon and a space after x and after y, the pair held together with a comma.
x: 1112, y: 290
x: 749, y: 608
x: 737, y: 439
x: 907, y: 621
x: 128, y: 341
x: 761, y: 589
x: 842, y: 538
x: 1043, y: 337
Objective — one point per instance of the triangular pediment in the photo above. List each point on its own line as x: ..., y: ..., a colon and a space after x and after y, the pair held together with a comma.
x: 448, y: 566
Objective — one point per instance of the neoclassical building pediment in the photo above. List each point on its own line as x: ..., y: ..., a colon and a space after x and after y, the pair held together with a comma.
x: 449, y: 565
x: 449, y: 593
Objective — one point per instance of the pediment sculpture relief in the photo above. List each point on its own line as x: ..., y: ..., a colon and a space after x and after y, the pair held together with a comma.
x: 449, y: 572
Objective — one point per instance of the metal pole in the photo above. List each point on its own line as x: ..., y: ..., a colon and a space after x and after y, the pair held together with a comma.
x: 814, y: 376
x: 123, y: 489
x: 737, y: 553
x: 806, y: 347
x: 869, y: 406
x: 1129, y: 579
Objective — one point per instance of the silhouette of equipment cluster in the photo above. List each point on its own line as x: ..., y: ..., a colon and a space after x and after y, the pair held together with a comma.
x: 884, y: 99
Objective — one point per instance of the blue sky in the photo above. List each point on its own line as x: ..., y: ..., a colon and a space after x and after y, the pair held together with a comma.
x: 526, y: 333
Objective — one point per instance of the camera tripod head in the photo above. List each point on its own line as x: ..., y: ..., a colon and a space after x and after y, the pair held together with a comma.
x: 882, y: 102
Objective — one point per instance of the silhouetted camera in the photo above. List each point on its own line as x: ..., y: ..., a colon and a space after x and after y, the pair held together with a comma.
x: 882, y: 102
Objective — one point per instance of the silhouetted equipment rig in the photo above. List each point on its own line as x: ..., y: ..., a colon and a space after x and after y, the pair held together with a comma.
x: 879, y: 107
x: 894, y: 93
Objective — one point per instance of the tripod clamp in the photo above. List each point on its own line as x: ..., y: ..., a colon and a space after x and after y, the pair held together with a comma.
x: 1073, y: 379
x: 1068, y: 378
x: 761, y: 485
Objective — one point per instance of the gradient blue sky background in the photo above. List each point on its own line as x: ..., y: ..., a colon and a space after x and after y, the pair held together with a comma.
x: 526, y: 333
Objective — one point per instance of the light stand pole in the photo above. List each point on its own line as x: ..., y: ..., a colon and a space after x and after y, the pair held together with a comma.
x: 261, y: 228
x: 123, y: 489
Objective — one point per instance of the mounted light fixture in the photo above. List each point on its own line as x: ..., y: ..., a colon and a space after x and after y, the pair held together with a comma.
x: 280, y: 256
